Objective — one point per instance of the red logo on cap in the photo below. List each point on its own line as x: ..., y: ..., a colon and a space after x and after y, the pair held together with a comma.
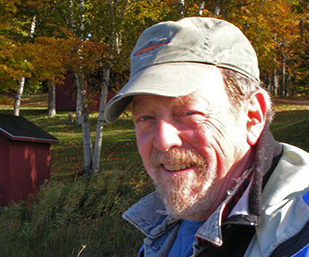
x: 151, y: 47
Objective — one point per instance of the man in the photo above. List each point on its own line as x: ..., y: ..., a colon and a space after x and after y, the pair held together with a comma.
x: 225, y: 187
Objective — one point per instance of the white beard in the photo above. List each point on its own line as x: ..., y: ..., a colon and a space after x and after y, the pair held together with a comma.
x: 190, y: 195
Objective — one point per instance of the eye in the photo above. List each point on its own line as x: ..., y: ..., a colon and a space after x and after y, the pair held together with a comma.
x: 191, y: 116
x: 189, y: 113
x: 144, y: 118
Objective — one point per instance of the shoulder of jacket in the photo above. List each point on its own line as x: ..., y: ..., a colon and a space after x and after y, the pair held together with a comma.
x: 149, y: 216
x: 285, y: 209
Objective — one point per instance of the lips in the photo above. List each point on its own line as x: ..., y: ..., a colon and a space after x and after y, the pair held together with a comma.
x: 177, y: 166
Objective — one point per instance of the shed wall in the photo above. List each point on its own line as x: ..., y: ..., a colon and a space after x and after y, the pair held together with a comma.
x: 4, y: 169
x: 29, y: 168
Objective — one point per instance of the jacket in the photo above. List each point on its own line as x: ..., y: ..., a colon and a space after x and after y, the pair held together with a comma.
x: 275, y: 222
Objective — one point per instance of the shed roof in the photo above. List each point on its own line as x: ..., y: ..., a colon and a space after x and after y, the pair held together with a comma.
x: 20, y: 129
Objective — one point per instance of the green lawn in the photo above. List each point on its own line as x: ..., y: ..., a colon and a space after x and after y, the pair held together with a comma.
x: 291, y: 124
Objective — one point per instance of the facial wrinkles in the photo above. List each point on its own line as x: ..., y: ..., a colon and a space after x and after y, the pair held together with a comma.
x: 218, y: 131
x: 214, y: 126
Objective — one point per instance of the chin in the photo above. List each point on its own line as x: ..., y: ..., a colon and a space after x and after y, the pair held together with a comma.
x: 189, y: 198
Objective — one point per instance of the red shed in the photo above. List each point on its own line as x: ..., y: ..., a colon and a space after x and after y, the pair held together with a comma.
x: 66, y: 95
x: 24, y: 158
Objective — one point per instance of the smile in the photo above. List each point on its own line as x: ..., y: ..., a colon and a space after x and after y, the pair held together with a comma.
x: 177, y: 166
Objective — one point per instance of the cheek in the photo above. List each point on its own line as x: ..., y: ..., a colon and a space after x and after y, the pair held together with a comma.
x: 213, y: 142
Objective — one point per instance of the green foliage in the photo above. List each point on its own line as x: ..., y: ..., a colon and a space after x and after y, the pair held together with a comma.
x: 111, y: 28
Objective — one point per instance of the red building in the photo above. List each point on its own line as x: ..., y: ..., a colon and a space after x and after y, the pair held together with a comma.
x: 66, y: 94
x: 24, y: 158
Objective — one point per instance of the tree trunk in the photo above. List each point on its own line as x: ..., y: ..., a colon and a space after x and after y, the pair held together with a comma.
x: 283, y: 85
x: 87, y: 145
x: 276, y: 83
x: 269, y: 87
x: 288, y: 84
x: 70, y: 14
x: 217, y: 9
x: 21, y: 83
x: 86, y: 140
x: 78, y: 120
x: 181, y: 8
x: 19, y: 93
x: 100, y: 122
x: 51, y: 101
x: 82, y: 17
x: 201, y: 8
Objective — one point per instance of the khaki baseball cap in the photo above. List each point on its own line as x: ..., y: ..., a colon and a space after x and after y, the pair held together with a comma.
x: 173, y: 59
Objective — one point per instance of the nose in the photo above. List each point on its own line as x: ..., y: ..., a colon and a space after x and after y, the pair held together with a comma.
x: 167, y: 136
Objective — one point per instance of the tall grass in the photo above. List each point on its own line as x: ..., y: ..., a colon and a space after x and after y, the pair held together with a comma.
x: 63, y: 218
x: 78, y: 215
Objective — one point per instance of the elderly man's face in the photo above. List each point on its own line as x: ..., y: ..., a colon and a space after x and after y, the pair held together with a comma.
x: 193, y: 147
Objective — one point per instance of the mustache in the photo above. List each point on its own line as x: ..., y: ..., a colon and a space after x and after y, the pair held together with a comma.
x: 177, y: 156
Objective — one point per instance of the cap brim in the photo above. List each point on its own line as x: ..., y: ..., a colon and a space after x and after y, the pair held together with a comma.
x: 167, y: 79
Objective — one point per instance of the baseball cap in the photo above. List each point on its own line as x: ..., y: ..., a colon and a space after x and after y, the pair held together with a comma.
x: 173, y: 59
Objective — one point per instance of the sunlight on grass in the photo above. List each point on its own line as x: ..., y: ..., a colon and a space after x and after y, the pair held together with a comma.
x: 291, y: 124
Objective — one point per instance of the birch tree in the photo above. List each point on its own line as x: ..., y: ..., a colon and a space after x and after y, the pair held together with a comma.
x: 80, y: 82
x: 100, y: 122
x: 21, y: 82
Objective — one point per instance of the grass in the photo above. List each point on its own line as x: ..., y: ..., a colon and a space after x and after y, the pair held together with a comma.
x: 291, y: 124
x: 76, y: 215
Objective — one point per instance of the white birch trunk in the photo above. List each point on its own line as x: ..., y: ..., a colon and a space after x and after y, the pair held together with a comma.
x: 87, y: 145
x: 19, y: 93
x: 85, y: 112
x: 79, y: 81
x: 201, y: 8
x: 78, y: 120
x: 100, y: 122
x: 21, y: 83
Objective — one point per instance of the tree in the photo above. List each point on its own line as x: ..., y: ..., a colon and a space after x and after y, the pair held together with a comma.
x: 52, y: 100
x: 12, y: 57
x: 21, y: 82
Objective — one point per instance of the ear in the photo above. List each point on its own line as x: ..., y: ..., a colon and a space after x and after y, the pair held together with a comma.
x: 256, y: 117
